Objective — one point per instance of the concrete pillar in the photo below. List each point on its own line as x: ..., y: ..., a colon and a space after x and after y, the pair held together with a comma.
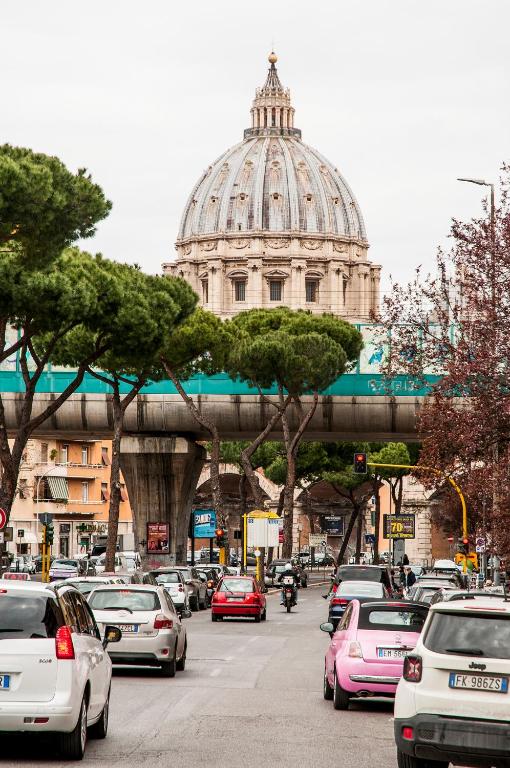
x: 161, y: 475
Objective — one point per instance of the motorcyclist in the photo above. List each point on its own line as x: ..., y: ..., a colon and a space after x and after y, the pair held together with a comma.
x: 289, y: 573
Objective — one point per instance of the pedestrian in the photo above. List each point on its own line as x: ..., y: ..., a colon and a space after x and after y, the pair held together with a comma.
x: 405, y: 560
x: 409, y: 578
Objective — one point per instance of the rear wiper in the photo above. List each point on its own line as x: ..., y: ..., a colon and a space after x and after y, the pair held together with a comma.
x: 466, y: 651
x: 114, y: 608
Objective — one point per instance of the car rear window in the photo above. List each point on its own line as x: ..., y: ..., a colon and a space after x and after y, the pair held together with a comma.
x: 130, y: 599
x: 24, y: 616
x: 355, y: 573
x: 371, y: 589
x: 66, y: 563
x: 168, y: 578
x: 469, y: 635
x: 236, y: 585
x: 403, y: 619
x: 85, y: 587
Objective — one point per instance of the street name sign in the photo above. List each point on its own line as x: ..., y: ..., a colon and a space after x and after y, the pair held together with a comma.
x: 399, y: 526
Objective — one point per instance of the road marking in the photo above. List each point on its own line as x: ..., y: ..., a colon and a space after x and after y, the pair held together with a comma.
x: 253, y: 639
x: 215, y: 672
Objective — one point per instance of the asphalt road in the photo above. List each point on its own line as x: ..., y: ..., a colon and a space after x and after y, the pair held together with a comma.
x: 251, y: 695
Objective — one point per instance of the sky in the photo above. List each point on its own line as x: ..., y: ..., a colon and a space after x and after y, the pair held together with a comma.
x: 403, y: 96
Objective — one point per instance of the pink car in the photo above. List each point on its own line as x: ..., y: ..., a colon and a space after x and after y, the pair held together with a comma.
x: 366, y: 653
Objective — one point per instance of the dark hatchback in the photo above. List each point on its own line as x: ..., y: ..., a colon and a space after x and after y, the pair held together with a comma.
x: 378, y: 573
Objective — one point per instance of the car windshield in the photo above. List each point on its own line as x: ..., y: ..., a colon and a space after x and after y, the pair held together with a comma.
x: 65, y: 564
x: 372, y: 589
x: 470, y: 635
x: 359, y: 573
x: 236, y: 585
x: 23, y: 616
x: 402, y: 618
x: 85, y: 587
x: 168, y: 578
x: 129, y: 599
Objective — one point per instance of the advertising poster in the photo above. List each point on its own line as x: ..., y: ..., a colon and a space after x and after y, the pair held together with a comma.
x: 205, y: 523
x: 158, y: 535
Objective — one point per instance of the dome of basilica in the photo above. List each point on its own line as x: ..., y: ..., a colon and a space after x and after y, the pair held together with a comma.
x: 272, y: 182
x: 273, y: 223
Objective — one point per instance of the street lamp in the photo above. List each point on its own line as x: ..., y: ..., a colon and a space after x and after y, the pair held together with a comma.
x: 482, y: 183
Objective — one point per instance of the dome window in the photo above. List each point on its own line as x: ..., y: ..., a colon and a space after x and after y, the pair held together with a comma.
x: 275, y: 195
x: 214, y: 199
x: 336, y: 200
x: 308, y: 197
x: 242, y: 196
x: 312, y: 291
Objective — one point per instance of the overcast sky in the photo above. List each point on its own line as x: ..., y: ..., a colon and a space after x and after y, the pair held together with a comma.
x: 402, y: 95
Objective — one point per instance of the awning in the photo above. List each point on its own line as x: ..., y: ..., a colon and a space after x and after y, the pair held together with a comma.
x: 58, y: 488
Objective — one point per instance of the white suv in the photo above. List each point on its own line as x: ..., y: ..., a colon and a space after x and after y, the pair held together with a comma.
x: 453, y: 701
x: 54, y: 671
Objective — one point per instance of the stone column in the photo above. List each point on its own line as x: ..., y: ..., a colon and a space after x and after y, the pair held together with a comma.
x: 161, y: 475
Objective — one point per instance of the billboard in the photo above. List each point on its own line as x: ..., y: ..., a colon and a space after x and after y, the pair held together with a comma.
x: 398, y: 526
x: 204, y: 521
x: 158, y: 538
x: 333, y: 525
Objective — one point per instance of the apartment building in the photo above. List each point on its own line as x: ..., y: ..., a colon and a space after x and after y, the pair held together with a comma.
x: 71, y: 481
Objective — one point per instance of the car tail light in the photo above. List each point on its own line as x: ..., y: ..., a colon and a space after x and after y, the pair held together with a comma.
x: 355, y: 651
x: 64, y: 643
x: 219, y: 597
x: 334, y: 587
x: 413, y: 667
x: 180, y: 588
x: 161, y: 622
x: 210, y: 583
x: 408, y: 733
x: 339, y: 601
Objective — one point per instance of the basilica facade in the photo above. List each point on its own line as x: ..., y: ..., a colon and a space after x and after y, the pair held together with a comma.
x: 273, y: 223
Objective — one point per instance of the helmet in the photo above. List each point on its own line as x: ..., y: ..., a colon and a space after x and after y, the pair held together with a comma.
x: 288, y: 567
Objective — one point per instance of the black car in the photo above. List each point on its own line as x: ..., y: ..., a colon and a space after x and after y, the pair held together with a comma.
x: 211, y: 579
x: 277, y: 567
x: 380, y: 573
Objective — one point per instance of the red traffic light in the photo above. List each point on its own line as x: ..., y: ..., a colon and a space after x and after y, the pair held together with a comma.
x: 450, y: 538
x: 360, y: 463
x: 465, y: 541
x: 220, y: 532
x: 360, y: 456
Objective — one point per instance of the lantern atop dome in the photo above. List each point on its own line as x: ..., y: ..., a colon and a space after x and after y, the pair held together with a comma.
x: 272, y: 113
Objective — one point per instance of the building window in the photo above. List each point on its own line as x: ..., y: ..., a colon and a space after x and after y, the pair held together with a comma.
x: 105, y: 459
x: 275, y: 290
x: 85, y: 491
x: 205, y: 291
x: 240, y: 290
x: 84, y: 454
x: 105, y: 492
x: 64, y: 454
x: 44, y: 453
x: 23, y: 488
x: 312, y: 290
x: 123, y: 492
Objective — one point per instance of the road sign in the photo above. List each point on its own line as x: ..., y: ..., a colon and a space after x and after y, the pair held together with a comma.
x: 369, y: 538
x: 3, y: 518
x: 399, y: 526
x: 332, y: 525
x: 263, y: 529
x: 8, y: 534
x: 317, y: 540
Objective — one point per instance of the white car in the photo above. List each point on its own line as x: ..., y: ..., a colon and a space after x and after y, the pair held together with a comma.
x: 86, y: 584
x: 453, y: 701
x: 173, y: 581
x: 152, y: 632
x: 54, y: 671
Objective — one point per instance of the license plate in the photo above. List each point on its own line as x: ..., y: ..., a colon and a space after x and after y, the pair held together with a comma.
x: 235, y: 598
x: 391, y: 653
x: 5, y: 681
x: 471, y: 682
x: 128, y: 627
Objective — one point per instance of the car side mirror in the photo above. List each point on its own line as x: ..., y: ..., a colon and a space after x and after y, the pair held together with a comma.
x: 189, y: 582
x: 111, y: 635
x: 325, y: 596
x: 186, y: 615
x: 328, y: 627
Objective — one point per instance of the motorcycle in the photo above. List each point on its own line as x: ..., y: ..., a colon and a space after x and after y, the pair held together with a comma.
x: 289, y: 597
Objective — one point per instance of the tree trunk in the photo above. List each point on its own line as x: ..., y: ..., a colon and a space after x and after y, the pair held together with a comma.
x: 359, y: 535
x: 397, y: 488
x: 347, y: 536
x: 113, y: 512
x: 377, y: 519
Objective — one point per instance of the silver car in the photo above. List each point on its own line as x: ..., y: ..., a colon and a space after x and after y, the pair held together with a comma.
x: 152, y: 632
x: 174, y: 582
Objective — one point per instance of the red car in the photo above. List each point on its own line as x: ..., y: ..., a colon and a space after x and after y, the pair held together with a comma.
x: 238, y: 596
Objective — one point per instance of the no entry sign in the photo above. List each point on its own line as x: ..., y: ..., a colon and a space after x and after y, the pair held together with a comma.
x: 3, y: 518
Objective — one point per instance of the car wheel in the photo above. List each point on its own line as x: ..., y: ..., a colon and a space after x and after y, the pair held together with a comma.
x: 214, y: 617
x: 257, y: 618
x: 203, y: 605
x: 409, y: 761
x: 328, y: 690
x: 72, y: 745
x: 100, y: 729
x: 264, y: 615
x: 168, y: 668
x: 181, y: 664
x: 340, y: 697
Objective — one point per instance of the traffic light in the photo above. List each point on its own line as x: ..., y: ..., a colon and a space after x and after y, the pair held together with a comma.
x: 43, y: 535
x: 221, y: 537
x: 49, y: 533
x: 463, y: 546
x: 360, y: 463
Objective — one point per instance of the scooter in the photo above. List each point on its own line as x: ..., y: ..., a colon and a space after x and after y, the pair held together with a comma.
x: 289, y: 597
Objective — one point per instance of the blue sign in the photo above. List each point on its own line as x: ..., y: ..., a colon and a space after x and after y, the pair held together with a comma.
x: 205, y: 523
